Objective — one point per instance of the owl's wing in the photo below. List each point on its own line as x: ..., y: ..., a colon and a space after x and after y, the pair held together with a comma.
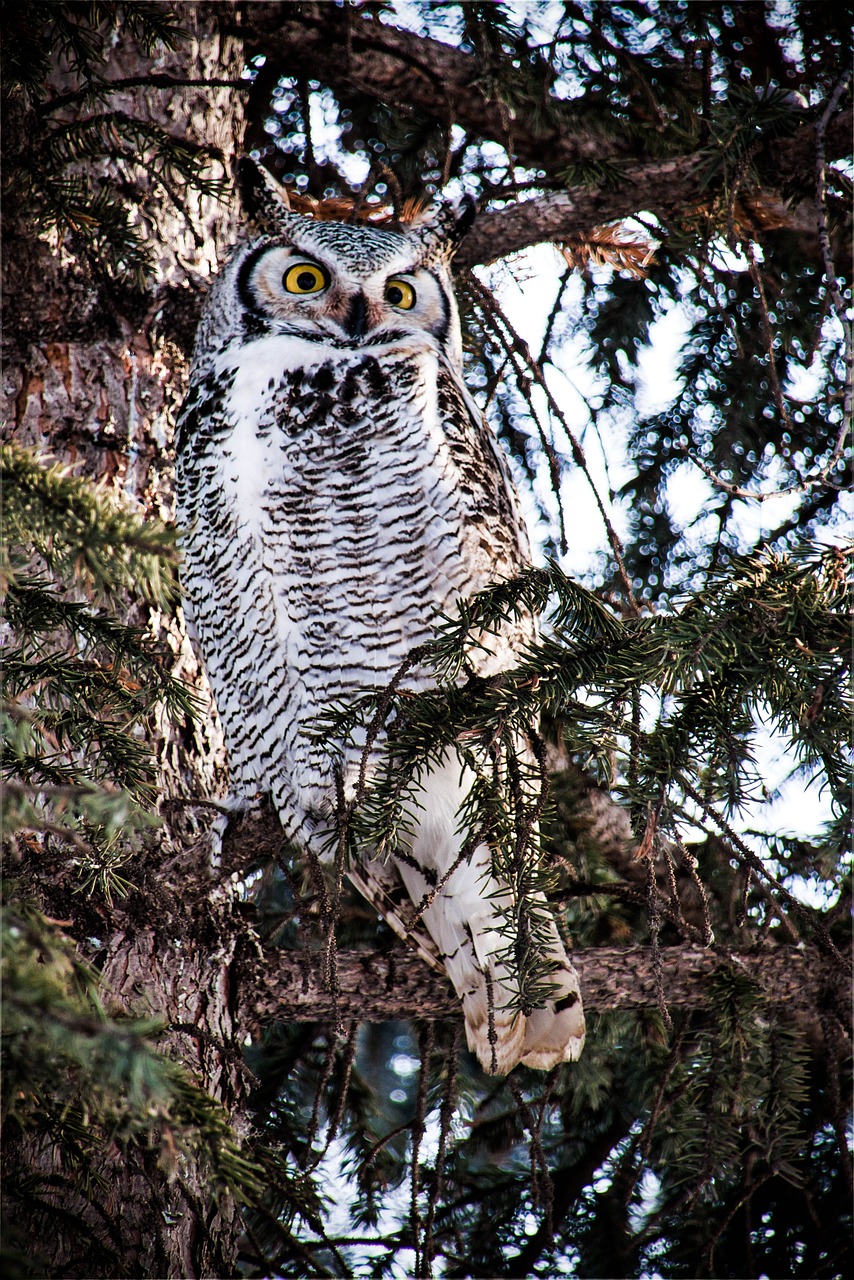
x: 499, y: 540
x: 464, y: 929
x: 380, y: 884
x: 229, y: 585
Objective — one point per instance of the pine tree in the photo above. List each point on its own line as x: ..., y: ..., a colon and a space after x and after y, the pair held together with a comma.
x: 684, y: 159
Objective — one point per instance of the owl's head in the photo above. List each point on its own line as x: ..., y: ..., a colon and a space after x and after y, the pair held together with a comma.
x: 340, y: 283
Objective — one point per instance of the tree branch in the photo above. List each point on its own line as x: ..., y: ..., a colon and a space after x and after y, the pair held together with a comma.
x: 405, y: 70
x: 402, y: 69
x: 409, y: 71
x: 380, y: 986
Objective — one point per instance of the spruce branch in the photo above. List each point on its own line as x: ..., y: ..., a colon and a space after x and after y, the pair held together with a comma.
x: 746, y: 854
x: 81, y: 687
x: 62, y: 1045
x: 81, y: 534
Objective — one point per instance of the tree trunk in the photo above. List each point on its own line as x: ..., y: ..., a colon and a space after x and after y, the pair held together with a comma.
x: 93, y: 375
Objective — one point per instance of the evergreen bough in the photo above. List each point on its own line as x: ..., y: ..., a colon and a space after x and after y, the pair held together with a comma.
x: 80, y: 689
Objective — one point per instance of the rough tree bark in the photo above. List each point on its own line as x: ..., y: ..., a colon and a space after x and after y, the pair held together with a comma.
x: 377, y: 986
x: 91, y: 378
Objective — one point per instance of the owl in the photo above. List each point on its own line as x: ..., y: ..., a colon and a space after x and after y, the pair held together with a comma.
x: 337, y: 489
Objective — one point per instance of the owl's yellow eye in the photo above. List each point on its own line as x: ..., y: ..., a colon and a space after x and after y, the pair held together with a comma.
x: 305, y: 277
x: 400, y: 294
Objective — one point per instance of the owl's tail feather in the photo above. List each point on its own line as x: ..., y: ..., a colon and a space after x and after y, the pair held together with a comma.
x: 463, y: 923
x: 461, y: 932
x: 464, y: 946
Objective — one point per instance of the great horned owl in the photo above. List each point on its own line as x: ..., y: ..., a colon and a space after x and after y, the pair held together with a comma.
x: 338, y: 487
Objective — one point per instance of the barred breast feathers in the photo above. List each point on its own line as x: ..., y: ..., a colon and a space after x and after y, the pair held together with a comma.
x: 337, y: 488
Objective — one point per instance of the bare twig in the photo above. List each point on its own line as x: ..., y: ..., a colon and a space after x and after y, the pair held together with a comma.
x: 446, y: 1115
x: 654, y: 915
x: 346, y: 1072
x: 736, y: 491
x: 312, y: 1159
x: 542, y: 1190
x: 756, y: 277
x: 745, y: 854
x: 520, y: 354
x: 518, y: 357
x: 422, y: 1261
x: 691, y: 863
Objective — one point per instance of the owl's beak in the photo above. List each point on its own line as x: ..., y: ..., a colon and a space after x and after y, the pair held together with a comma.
x: 357, y: 319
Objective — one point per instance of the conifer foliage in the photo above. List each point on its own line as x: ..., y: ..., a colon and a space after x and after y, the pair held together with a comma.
x: 689, y: 683
x: 80, y: 687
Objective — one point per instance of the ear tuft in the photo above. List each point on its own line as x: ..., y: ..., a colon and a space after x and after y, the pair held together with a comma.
x: 443, y: 226
x: 465, y: 214
x: 264, y: 201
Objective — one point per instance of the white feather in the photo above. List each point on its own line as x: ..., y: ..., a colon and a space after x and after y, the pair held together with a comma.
x: 335, y: 495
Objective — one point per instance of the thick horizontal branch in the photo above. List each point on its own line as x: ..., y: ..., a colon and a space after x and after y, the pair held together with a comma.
x: 660, y: 188
x: 382, y: 986
x: 353, y: 54
x: 356, y: 54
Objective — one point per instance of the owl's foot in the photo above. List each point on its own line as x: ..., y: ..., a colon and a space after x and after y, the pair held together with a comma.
x: 555, y: 1033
